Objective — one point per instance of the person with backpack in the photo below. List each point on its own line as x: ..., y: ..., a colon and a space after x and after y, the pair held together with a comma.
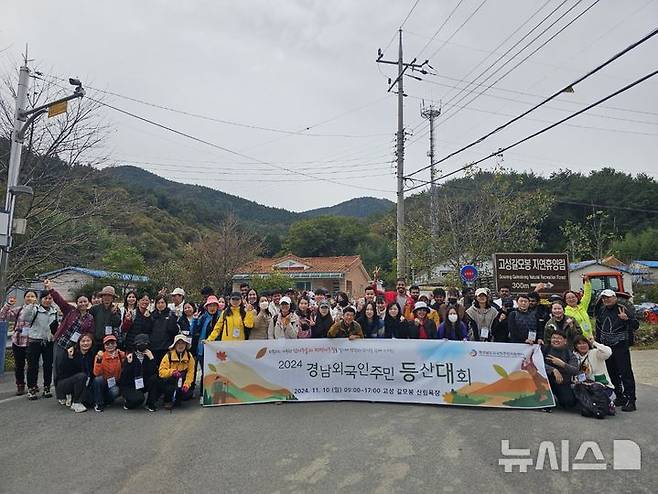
x: 139, y: 376
x: 107, y: 373
x: 235, y: 322
x: 165, y: 327
x: 591, y: 357
x: 561, y: 365
x: 285, y: 324
x: 19, y: 336
x: 74, y: 383
x: 176, y: 373
x: 42, y: 323
x: 615, y: 327
x: 75, y: 322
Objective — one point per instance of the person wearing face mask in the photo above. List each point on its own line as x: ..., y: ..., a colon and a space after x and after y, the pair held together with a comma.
x: 42, y: 320
x: 235, y: 322
x: 75, y: 322
x: 19, y: 337
x: 137, y: 322
x: 559, y: 321
x: 107, y: 373
x: 452, y: 329
x: 139, y: 376
x: 323, y: 321
x: 453, y: 301
x: 262, y: 320
x: 74, y: 382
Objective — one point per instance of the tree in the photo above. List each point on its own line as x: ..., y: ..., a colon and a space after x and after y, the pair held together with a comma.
x: 124, y: 259
x: 576, y: 240
x: 642, y: 245
x: 474, y: 222
x: 324, y: 236
x: 274, y: 281
x: 65, y: 210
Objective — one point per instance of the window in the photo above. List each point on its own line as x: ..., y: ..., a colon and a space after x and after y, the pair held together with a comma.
x: 303, y: 285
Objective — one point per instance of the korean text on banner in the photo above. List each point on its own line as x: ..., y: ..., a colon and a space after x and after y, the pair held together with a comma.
x: 412, y: 371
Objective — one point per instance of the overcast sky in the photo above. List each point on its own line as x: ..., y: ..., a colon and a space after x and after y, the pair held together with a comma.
x: 289, y: 65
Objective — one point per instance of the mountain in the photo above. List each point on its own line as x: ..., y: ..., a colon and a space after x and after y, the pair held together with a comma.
x: 361, y: 207
x: 199, y: 204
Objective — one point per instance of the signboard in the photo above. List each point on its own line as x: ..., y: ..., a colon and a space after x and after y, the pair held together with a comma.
x: 439, y: 372
x: 57, y: 108
x: 469, y: 274
x: 523, y: 271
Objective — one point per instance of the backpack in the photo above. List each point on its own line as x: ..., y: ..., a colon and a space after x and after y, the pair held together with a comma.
x: 592, y: 400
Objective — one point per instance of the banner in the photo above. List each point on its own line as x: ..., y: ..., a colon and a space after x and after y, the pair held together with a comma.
x: 441, y: 372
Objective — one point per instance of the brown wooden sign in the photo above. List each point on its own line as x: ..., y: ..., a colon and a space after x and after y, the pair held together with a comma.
x: 523, y: 271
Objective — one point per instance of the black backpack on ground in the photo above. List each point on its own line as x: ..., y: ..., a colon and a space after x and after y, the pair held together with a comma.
x: 592, y: 399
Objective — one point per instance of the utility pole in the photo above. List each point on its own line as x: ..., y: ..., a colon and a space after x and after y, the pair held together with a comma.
x: 402, y: 67
x: 23, y: 118
x: 431, y: 113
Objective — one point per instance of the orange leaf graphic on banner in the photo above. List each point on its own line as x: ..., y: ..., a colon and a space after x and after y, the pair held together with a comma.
x: 221, y: 356
x: 261, y: 353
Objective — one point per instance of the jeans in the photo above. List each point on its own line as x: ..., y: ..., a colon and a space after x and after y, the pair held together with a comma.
x: 75, y: 385
x: 36, y: 349
x: 20, y: 355
x: 621, y: 372
x: 104, y: 395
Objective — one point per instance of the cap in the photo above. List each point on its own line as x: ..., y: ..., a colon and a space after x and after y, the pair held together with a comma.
x: 608, y: 293
x: 109, y: 337
x: 420, y: 305
x: 142, y: 339
x: 178, y: 291
x: 285, y: 300
x: 481, y: 291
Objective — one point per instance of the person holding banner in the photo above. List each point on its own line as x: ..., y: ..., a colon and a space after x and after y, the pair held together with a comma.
x: 176, y: 373
x: 452, y: 329
x: 481, y: 316
x: 285, y: 324
x: 346, y: 327
x: 426, y: 326
x: 235, y: 322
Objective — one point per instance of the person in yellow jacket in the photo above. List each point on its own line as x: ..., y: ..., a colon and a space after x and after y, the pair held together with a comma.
x: 234, y: 322
x: 577, y: 310
x: 176, y: 372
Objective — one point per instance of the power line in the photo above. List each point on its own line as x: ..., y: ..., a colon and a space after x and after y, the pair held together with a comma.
x: 301, y: 132
x: 436, y: 33
x: 409, y: 14
x: 539, y: 132
x: 567, y: 88
x: 459, y: 28
x: 522, y: 61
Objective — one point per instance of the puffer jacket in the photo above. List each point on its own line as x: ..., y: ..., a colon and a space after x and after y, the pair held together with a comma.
x: 165, y: 327
x: 201, y: 329
x: 42, y: 321
x: 579, y: 313
x: 183, y: 363
x: 109, y: 366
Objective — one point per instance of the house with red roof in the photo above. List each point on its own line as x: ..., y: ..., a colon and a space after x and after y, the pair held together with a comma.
x: 338, y: 273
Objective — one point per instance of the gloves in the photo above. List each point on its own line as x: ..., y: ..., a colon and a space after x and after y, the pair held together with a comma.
x: 176, y: 374
x: 185, y: 388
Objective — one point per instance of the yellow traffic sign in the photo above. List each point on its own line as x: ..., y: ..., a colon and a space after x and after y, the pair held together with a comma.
x: 57, y: 108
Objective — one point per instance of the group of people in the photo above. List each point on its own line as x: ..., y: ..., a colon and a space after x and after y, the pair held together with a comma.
x: 149, y: 351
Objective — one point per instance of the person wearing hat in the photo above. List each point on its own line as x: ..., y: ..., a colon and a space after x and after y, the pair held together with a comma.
x: 139, y: 376
x: 615, y: 327
x: 285, y: 324
x: 107, y: 317
x: 346, y: 327
x: 107, y: 373
x: 323, y: 320
x: 177, y: 301
x: 176, y: 372
x: 481, y: 316
x: 235, y: 322
x: 426, y: 327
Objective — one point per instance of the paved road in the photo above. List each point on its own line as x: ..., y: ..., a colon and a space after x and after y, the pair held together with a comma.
x: 312, y: 447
